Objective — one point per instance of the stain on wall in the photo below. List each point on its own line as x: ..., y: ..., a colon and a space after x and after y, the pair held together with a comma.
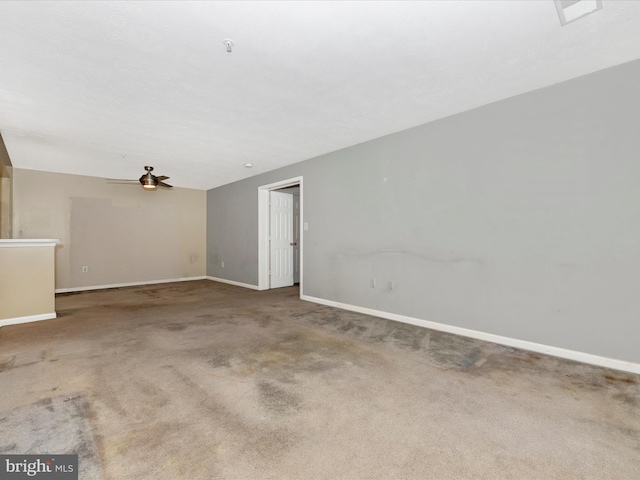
x: 153, y: 228
x: 120, y: 232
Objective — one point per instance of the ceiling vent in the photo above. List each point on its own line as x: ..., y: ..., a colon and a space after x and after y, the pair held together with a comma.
x: 571, y: 10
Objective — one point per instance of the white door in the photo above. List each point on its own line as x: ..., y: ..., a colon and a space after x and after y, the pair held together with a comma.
x: 281, y: 236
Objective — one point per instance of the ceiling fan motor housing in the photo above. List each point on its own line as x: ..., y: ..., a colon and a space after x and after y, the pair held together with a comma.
x: 149, y: 180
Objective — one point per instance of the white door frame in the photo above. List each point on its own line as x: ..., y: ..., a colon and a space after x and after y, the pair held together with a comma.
x: 263, y: 229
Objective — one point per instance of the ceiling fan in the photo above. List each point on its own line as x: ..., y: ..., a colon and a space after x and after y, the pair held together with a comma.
x: 149, y: 181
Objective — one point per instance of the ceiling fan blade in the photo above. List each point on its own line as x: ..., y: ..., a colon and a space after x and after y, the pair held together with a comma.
x: 120, y: 180
x: 148, y: 181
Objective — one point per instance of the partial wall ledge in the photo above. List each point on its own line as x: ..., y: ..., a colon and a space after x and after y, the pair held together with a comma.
x: 27, y: 280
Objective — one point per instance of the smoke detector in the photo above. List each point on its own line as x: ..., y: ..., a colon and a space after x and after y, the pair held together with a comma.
x: 571, y: 10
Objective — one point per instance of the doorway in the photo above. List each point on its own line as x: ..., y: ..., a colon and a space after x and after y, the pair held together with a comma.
x: 280, y: 236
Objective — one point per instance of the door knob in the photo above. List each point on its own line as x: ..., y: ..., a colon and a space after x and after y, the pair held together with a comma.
x: 293, y: 244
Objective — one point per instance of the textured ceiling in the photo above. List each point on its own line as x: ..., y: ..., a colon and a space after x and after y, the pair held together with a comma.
x: 104, y: 88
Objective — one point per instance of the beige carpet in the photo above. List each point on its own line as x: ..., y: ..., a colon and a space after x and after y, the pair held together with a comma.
x: 200, y: 380
x: 53, y: 425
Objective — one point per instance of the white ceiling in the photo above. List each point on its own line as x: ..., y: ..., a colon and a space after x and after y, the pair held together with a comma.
x: 104, y: 88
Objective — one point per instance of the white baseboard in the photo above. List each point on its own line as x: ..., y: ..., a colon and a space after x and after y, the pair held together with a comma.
x: 129, y: 284
x: 27, y: 319
x: 232, y: 282
x: 488, y: 337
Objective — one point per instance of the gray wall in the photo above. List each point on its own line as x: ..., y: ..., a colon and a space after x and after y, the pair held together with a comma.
x: 520, y: 218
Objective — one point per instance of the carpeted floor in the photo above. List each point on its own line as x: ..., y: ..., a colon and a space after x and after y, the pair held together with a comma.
x: 201, y: 380
x: 53, y: 425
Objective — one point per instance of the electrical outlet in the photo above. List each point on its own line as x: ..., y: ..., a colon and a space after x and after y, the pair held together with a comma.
x: 372, y: 283
x: 85, y: 269
x: 391, y: 285
x: 222, y: 264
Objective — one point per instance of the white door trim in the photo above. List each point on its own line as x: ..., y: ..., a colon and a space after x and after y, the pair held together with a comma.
x: 263, y: 229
